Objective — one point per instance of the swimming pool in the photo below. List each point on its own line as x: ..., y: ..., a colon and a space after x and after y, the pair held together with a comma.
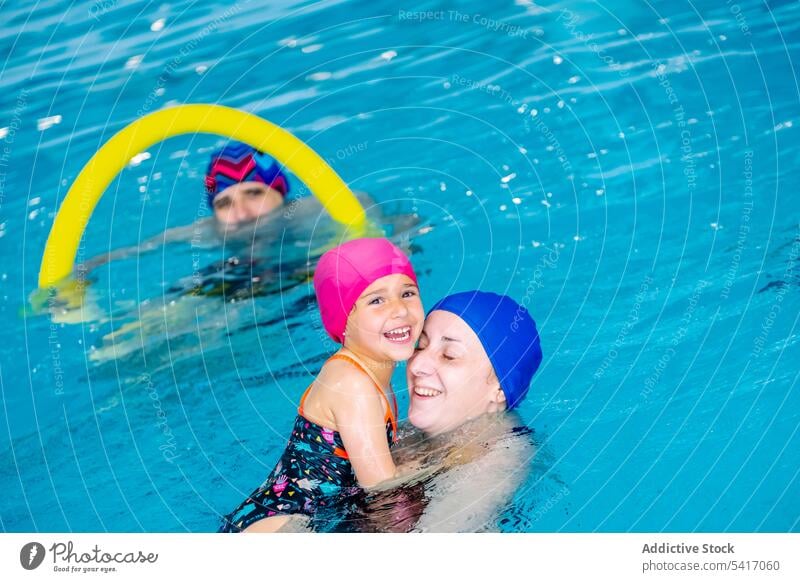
x: 624, y: 170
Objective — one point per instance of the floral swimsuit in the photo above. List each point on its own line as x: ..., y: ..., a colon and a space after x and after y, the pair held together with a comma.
x: 313, y: 466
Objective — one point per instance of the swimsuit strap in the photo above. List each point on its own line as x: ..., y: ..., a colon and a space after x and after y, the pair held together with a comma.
x: 303, y: 400
x: 390, y: 416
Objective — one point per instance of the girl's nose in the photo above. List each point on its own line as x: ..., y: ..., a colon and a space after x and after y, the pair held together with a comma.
x: 400, y: 309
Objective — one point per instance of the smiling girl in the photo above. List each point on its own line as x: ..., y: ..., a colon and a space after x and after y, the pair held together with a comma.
x: 347, y: 419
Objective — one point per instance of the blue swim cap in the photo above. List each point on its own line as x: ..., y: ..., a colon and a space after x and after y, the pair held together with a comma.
x: 508, y: 335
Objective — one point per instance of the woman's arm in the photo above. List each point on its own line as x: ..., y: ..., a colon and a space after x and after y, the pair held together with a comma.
x: 469, y: 497
x: 185, y: 233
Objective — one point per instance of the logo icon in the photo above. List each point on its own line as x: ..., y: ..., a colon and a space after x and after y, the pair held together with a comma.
x: 31, y: 555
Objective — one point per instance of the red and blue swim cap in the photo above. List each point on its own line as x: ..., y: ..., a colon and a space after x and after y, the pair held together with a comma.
x: 508, y: 334
x: 238, y: 162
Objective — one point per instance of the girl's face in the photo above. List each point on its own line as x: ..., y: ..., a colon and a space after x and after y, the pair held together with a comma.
x: 387, y: 319
x: 450, y: 378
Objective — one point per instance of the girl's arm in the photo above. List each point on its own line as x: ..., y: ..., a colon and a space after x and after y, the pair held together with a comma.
x: 359, y: 413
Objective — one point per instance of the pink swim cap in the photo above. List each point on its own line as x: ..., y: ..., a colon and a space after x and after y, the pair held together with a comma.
x: 345, y: 271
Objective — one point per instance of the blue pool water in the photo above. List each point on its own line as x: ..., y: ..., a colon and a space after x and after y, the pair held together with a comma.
x: 626, y: 170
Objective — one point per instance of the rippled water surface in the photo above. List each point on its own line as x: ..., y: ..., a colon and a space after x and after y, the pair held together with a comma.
x: 626, y: 169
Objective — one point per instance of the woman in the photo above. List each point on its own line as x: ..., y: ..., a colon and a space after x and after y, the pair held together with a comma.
x: 474, y: 362
x: 477, y: 355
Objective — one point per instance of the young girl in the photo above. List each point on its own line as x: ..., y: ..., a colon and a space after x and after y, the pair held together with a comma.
x: 369, y: 301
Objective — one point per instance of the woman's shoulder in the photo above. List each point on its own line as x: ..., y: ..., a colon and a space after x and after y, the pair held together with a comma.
x: 493, y: 439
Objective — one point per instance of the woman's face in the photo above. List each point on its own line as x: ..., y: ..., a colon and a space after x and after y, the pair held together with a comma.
x: 244, y: 202
x: 386, y: 320
x: 450, y: 377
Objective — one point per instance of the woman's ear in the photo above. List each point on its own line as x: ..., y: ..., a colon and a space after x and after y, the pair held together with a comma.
x: 492, y: 381
x: 497, y: 403
x: 498, y: 397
